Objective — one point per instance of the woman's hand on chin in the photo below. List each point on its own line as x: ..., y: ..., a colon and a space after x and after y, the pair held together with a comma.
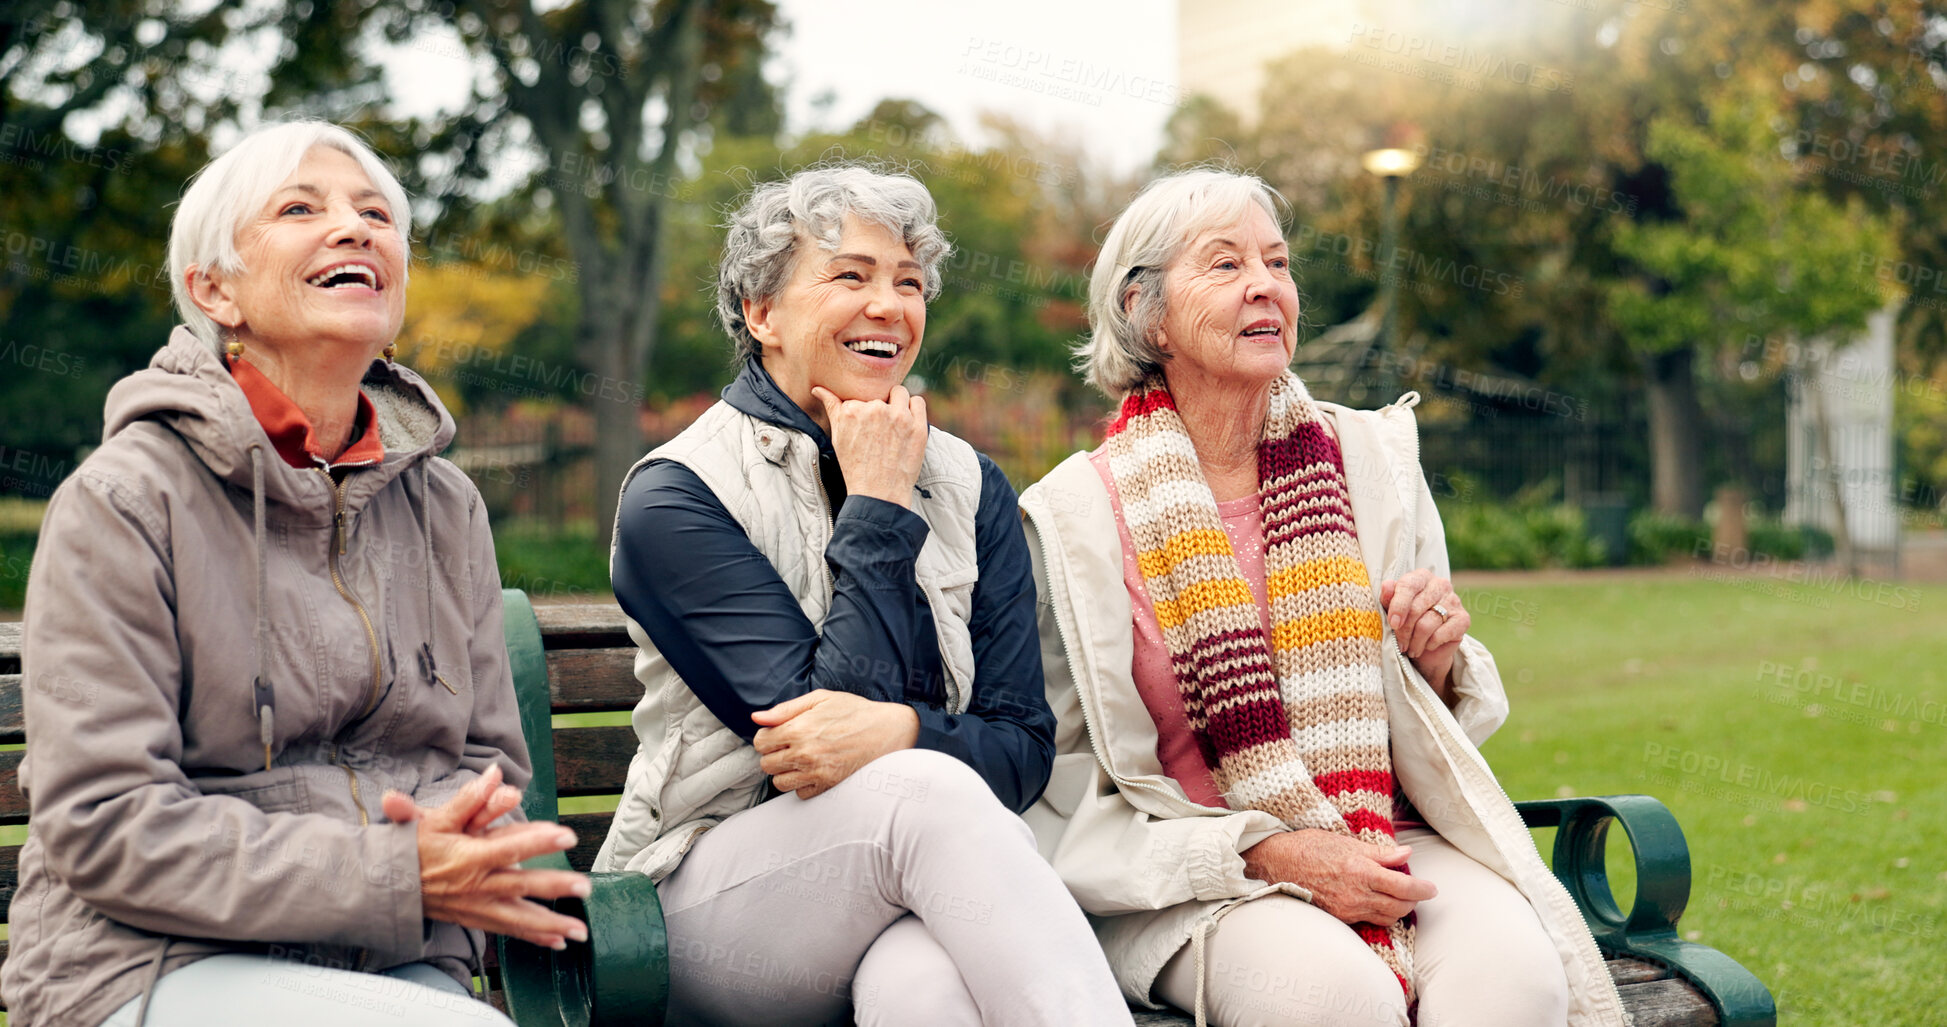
x: 1351, y: 879
x: 822, y: 737
x: 879, y: 443
x: 469, y: 873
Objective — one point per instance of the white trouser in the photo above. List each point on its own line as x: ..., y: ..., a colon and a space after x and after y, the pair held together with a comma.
x: 907, y: 894
x: 1481, y: 957
x: 236, y: 990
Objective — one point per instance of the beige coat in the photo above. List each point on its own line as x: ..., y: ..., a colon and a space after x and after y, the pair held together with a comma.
x: 1145, y: 862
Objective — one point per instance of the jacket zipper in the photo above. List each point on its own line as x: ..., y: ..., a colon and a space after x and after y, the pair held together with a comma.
x: 338, y: 545
x: 1068, y: 654
x: 364, y: 820
x: 1475, y: 762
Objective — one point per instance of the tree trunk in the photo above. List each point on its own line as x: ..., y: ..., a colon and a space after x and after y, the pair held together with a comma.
x: 1676, y: 436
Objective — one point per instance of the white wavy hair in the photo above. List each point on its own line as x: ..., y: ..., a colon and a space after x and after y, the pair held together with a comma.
x: 230, y: 190
x: 1126, y: 303
x: 761, y: 244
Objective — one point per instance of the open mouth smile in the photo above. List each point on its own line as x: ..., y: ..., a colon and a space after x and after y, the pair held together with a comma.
x: 346, y: 276
x: 873, y: 347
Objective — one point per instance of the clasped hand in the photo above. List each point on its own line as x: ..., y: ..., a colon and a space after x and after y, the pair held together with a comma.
x: 822, y: 737
x: 469, y: 873
x: 1351, y: 879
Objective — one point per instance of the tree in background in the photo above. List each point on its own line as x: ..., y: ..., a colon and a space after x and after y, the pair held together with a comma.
x: 605, y: 99
x: 85, y: 203
x: 1751, y: 255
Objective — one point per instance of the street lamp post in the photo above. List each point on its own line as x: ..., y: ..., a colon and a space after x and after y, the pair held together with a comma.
x: 1390, y: 165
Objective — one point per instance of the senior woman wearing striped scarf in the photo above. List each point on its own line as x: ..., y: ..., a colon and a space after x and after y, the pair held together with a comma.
x: 1268, y: 791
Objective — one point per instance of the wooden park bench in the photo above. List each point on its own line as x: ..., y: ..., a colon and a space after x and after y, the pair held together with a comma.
x: 577, y: 659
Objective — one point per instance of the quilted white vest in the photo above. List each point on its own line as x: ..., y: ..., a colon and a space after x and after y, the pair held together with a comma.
x: 690, y: 771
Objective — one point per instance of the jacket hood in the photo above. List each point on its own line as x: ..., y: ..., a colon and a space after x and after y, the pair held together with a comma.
x: 187, y: 389
x: 756, y: 393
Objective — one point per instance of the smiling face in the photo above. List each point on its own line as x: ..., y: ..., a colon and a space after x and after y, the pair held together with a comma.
x: 1232, y: 308
x: 850, y: 320
x: 323, y: 267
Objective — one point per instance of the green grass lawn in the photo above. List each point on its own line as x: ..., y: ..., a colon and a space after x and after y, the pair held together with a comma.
x: 1798, y: 732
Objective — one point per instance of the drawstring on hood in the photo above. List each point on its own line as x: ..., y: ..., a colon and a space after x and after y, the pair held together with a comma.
x: 427, y: 666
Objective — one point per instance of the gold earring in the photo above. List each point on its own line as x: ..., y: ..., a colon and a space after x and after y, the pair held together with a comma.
x: 391, y: 350
x: 234, y: 347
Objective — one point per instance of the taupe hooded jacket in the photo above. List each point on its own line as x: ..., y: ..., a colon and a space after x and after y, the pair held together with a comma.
x: 156, y: 830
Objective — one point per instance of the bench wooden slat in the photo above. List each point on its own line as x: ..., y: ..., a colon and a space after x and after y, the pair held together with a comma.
x: 13, y: 724
x: 1667, y: 1003
x: 9, y: 873
x: 13, y: 805
x: 592, y: 760
x: 1637, y: 971
x: 582, y: 625
x: 586, y: 680
x: 590, y: 829
x: 10, y: 646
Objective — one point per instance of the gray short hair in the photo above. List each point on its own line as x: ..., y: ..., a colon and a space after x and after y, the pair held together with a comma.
x: 230, y: 190
x: 1145, y: 240
x: 761, y: 246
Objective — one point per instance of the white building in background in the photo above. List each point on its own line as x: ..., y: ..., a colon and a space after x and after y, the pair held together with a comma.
x: 1852, y: 384
x: 1223, y: 45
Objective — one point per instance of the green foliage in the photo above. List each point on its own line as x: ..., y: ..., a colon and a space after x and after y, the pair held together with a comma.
x: 1483, y: 535
x: 1656, y: 538
x: 1754, y: 254
x: 16, y: 556
x: 545, y: 561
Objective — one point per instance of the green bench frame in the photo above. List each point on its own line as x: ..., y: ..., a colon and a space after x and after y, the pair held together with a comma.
x: 576, y: 658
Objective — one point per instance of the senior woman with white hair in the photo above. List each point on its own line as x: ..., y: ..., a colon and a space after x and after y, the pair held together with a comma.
x: 1267, y: 697
x: 269, y: 705
x: 842, y: 700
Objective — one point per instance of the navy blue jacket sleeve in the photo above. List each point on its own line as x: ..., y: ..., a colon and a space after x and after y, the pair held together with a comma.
x: 729, y: 626
x: 1008, y: 732
x: 726, y: 621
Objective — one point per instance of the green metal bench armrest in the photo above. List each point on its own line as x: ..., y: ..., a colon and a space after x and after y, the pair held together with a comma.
x: 621, y: 974
x: 1649, y: 931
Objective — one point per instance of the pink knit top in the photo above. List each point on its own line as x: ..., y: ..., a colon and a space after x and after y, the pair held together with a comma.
x: 1176, y: 745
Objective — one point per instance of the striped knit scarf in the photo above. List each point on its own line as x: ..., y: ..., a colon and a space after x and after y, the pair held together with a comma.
x: 1296, y: 727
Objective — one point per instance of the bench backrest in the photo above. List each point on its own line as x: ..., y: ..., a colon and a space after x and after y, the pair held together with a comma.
x: 586, y: 666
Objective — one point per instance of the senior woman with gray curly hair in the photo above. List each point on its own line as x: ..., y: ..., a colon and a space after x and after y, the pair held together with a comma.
x: 1267, y: 695
x: 264, y: 681
x: 842, y: 700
